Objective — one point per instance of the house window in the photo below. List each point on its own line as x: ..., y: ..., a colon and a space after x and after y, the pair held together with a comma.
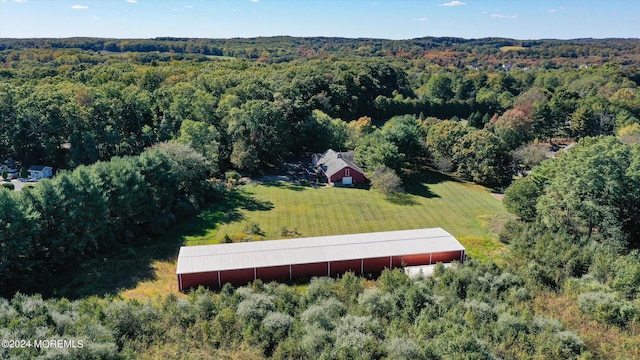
x: 347, y: 172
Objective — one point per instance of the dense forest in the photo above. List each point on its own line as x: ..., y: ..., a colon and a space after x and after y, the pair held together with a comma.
x: 143, y: 133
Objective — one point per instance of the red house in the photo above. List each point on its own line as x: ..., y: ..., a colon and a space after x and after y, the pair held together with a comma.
x: 338, y: 167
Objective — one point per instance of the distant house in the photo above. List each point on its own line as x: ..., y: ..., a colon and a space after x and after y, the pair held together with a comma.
x: 40, y: 172
x: 11, y: 165
x: 338, y: 167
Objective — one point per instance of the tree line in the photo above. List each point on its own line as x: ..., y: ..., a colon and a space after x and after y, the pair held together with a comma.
x: 95, y: 209
x: 443, y: 51
x: 70, y: 107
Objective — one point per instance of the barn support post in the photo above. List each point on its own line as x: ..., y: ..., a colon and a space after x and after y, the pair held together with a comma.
x: 430, y: 258
x: 361, y: 266
x: 219, y: 282
x: 180, y: 282
x: 390, y: 262
x: 329, y: 268
x: 290, y: 273
x: 254, y: 273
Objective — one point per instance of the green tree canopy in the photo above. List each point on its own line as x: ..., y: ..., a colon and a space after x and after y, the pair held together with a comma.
x: 482, y: 157
x: 589, y: 192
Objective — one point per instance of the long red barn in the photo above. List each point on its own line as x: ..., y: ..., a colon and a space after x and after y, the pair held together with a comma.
x: 281, y: 260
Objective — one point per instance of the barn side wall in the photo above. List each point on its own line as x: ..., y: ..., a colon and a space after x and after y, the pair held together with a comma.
x: 341, y: 267
x: 273, y: 273
x: 237, y: 277
x: 358, y: 177
x: 309, y: 270
x: 207, y: 279
x: 445, y: 257
x: 374, y: 265
x: 285, y: 272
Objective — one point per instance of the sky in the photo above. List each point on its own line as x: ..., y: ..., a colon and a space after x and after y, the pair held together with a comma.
x: 386, y: 19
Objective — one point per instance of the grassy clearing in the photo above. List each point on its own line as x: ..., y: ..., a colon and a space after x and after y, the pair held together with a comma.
x: 162, y: 282
x: 146, y: 269
x: 512, y: 48
x: 467, y: 211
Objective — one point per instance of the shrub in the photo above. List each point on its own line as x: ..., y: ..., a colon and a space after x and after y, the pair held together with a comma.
x: 479, y: 312
x: 232, y: 177
x: 320, y: 288
x: 287, y: 233
x: 353, y: 339
x: 541, y: 324
x: 8, y: 186
x: 510, y: 327
x: 400, y: 348
x: 324, y: 315
x: 227, y: 239
x: 276, y: 327
x: 386, y: 180
x: 375, y: 303
x: 605, y: 307
x: 255, y: 307
x: 567, y: 345
x: 253, y: 228
x: 315, y: 342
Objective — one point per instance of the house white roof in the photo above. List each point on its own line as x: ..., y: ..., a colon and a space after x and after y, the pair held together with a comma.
x: 333, y: 161
x: 39, y: 168
x: 208, y: 258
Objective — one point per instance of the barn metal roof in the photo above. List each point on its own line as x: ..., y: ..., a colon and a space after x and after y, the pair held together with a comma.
x: 257, y: 254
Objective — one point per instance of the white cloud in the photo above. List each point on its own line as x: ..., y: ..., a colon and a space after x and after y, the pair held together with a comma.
x: 255, y: 1
x: 503, y: 16
x: 79, y: 7
x: 422, y: 19
x: 454, y: 3
x: 132, y: 1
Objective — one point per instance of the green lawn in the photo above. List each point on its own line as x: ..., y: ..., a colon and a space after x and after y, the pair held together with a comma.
x: 467, y: 211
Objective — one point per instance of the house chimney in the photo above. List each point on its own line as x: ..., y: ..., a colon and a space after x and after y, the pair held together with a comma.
x: 339, y: 156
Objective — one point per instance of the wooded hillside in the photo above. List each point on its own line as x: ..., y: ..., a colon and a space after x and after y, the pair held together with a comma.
x: 143, y: 133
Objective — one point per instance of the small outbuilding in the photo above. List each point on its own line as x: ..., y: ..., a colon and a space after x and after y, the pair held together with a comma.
x: 338, y: 167
x: 282, y: 260
x: 38, y: 172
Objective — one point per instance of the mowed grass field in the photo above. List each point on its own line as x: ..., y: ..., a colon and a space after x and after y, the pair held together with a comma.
x: 467, y: 211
